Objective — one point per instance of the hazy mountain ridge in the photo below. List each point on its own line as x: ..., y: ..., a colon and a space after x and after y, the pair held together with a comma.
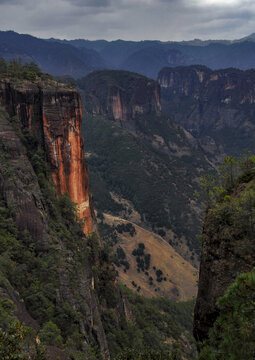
x: 52, y: 57
x: 79, y: 57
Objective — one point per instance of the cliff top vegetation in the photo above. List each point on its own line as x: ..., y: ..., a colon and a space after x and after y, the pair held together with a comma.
x: 234, y: 171
x: 17, y: 70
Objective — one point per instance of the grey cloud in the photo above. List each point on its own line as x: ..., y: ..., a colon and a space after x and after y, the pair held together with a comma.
x: 91, y: 3
x: 128, y: 19
x: 11, y: 2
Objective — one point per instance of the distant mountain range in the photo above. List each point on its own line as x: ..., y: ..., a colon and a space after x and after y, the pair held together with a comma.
x: 79, y: 57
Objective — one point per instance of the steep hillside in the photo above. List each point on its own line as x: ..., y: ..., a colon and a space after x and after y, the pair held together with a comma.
x: 38, y: 250
x: 228, y: 242
x: 232, y: 335
x: 145, y: 262
x: 136, y: 158
x: 56, y: 275
x: 218, y: 104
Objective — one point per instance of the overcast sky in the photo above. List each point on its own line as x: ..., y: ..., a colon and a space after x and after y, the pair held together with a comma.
x: 130, y: 19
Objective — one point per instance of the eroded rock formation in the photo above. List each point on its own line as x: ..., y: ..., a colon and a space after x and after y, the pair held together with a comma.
x: 54, y: 117
x: 219, y: 104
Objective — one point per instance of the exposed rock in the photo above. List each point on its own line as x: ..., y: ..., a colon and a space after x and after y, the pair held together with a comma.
x: 229, y: 86
x: 122, y: 95
x: 54, y: 116
x: 20, y: 188
x: 219, y: 103
x: 7, y: 291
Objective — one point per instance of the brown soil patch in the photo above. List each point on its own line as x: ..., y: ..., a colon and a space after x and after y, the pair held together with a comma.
x: 179, y: 276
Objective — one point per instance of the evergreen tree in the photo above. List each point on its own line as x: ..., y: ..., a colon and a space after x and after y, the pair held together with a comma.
x: 233, y: 334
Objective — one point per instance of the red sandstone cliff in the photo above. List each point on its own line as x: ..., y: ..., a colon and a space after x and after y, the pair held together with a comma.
x: 54, y: 117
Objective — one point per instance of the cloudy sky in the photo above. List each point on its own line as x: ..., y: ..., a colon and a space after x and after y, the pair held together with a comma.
x: 130, y: 19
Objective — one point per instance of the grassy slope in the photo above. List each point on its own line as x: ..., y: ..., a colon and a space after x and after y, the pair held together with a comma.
x: 179, y: 276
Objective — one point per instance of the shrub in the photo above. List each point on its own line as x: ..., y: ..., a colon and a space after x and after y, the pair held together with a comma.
x: 15, y: 342
x: 233, y: 334
x: 50, y: 334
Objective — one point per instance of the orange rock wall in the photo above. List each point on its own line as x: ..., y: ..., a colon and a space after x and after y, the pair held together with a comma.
x: 65, y: 149
x: 54, y: 116
x: 117, y: 107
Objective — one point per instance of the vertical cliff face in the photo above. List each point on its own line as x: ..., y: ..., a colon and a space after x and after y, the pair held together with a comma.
x: 219, y: 104
x: 228, y: 250
x: 59, y: 131
x: 64, y: 145
x: 53, y: 118
x: 227, y: 86
x: 121, y: 95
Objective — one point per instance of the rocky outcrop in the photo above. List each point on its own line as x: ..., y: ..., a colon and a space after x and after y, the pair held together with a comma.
x: 121, y: 95
x: 49, y: 119
x: 30, y: 206
x: 228, y: 250
x: 228, y: 86
x: 219, y: 104
x: 54, y: 116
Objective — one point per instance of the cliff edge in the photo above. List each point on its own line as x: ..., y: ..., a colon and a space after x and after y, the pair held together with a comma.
x: 53, y: 115
x: 227, y: 247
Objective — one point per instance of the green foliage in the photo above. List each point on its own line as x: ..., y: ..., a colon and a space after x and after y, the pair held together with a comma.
x: 35, y: 270
x: 50, y: 334
x: 108, y: 233
x: 126, y: 227
x: 232, y: 172
x: 18, y: 343
x: 231, y: 221
x: 27, y: 71
x: 120, y: 259
x: 142, y: 259
x: 157, y: 321
x: 94, y: 248
x: 133, y: 354
x: 208, y: 190
x: 233, y: 334
x: 147, y: 261
x: 159, y: 275
x: 7, y: 309
x: 120, y: 253
x: 234, y: 218
x: 68, y: 208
